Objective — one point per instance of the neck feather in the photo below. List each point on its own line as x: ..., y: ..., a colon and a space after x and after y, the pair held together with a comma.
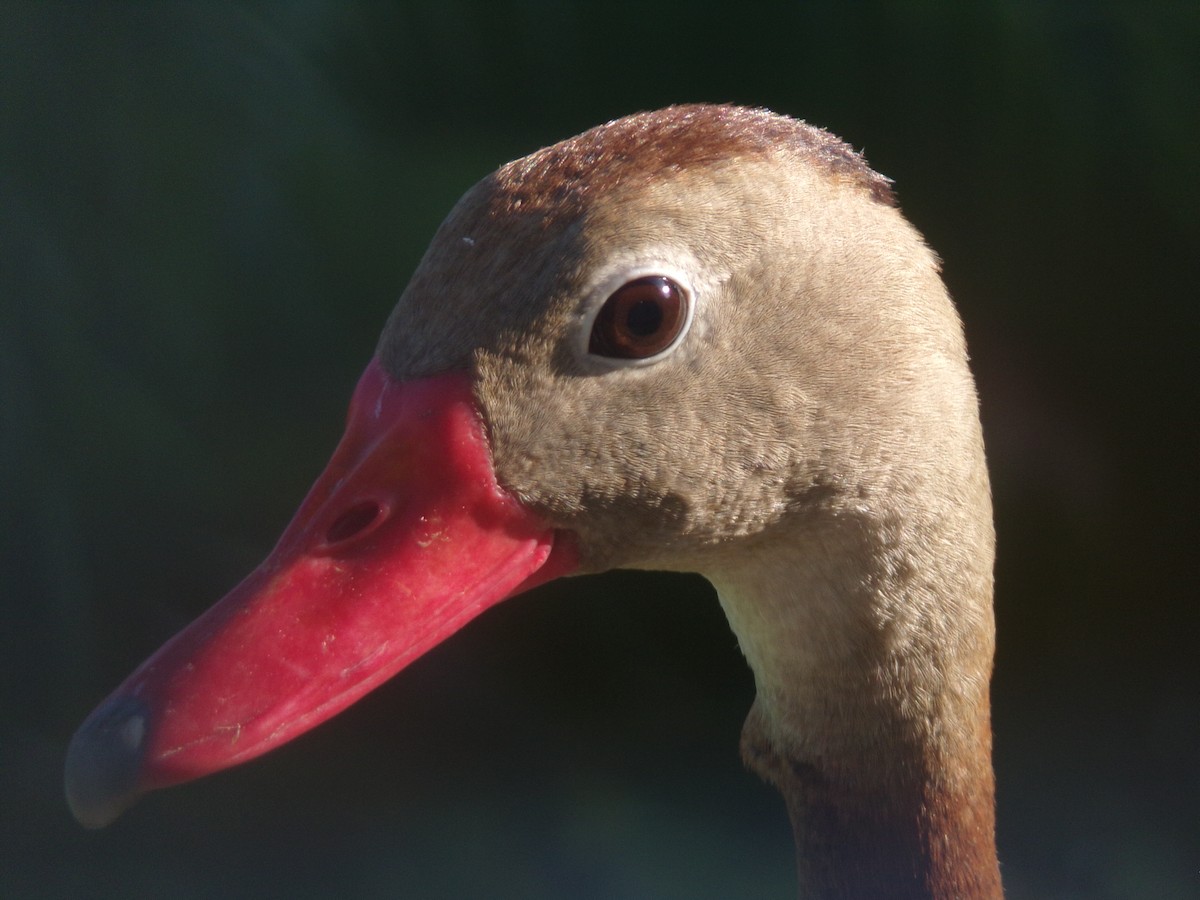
x: 872, y: 714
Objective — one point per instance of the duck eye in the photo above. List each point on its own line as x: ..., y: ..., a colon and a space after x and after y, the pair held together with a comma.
x: 641, y: 318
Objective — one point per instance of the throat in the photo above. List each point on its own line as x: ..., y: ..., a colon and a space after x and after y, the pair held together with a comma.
x: 872, y: 719
x: 913, y: 826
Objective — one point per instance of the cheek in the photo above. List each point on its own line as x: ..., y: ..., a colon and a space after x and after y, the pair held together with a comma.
x: 630, y: 463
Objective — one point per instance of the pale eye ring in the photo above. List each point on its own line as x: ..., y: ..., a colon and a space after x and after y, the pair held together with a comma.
x: 640, y: 319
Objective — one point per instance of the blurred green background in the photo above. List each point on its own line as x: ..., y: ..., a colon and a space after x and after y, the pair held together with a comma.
x: 207, y: 211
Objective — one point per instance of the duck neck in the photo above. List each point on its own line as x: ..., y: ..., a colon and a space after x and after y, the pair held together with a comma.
x: 872, y: 715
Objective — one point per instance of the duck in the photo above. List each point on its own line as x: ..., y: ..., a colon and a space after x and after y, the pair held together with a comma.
x: 698, y: 339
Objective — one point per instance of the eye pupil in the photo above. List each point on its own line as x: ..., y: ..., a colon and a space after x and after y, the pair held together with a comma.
x: 644, y: 318
x: 640, y: 319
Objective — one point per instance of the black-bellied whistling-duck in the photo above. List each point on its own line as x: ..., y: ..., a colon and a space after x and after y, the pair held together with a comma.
x: 697, y: 339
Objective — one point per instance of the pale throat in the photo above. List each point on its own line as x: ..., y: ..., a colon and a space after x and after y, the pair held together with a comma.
x: 846, y: 662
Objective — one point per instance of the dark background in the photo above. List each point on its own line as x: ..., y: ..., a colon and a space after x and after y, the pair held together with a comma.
x: 208, y: 209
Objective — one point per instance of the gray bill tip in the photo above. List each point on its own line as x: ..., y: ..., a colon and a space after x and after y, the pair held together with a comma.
x: 104, y: 761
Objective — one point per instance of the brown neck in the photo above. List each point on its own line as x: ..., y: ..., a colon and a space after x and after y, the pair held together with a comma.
x: 920, y: 826
x: 872, y: 718
x: 912, y: 835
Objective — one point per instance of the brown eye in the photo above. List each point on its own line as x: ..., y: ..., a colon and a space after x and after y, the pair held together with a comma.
x: 641, y: 318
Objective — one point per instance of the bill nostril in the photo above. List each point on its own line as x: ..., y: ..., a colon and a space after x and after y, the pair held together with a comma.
x: 355, y: 522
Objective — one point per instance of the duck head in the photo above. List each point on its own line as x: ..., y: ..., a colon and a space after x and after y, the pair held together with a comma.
x: 699, y: 339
